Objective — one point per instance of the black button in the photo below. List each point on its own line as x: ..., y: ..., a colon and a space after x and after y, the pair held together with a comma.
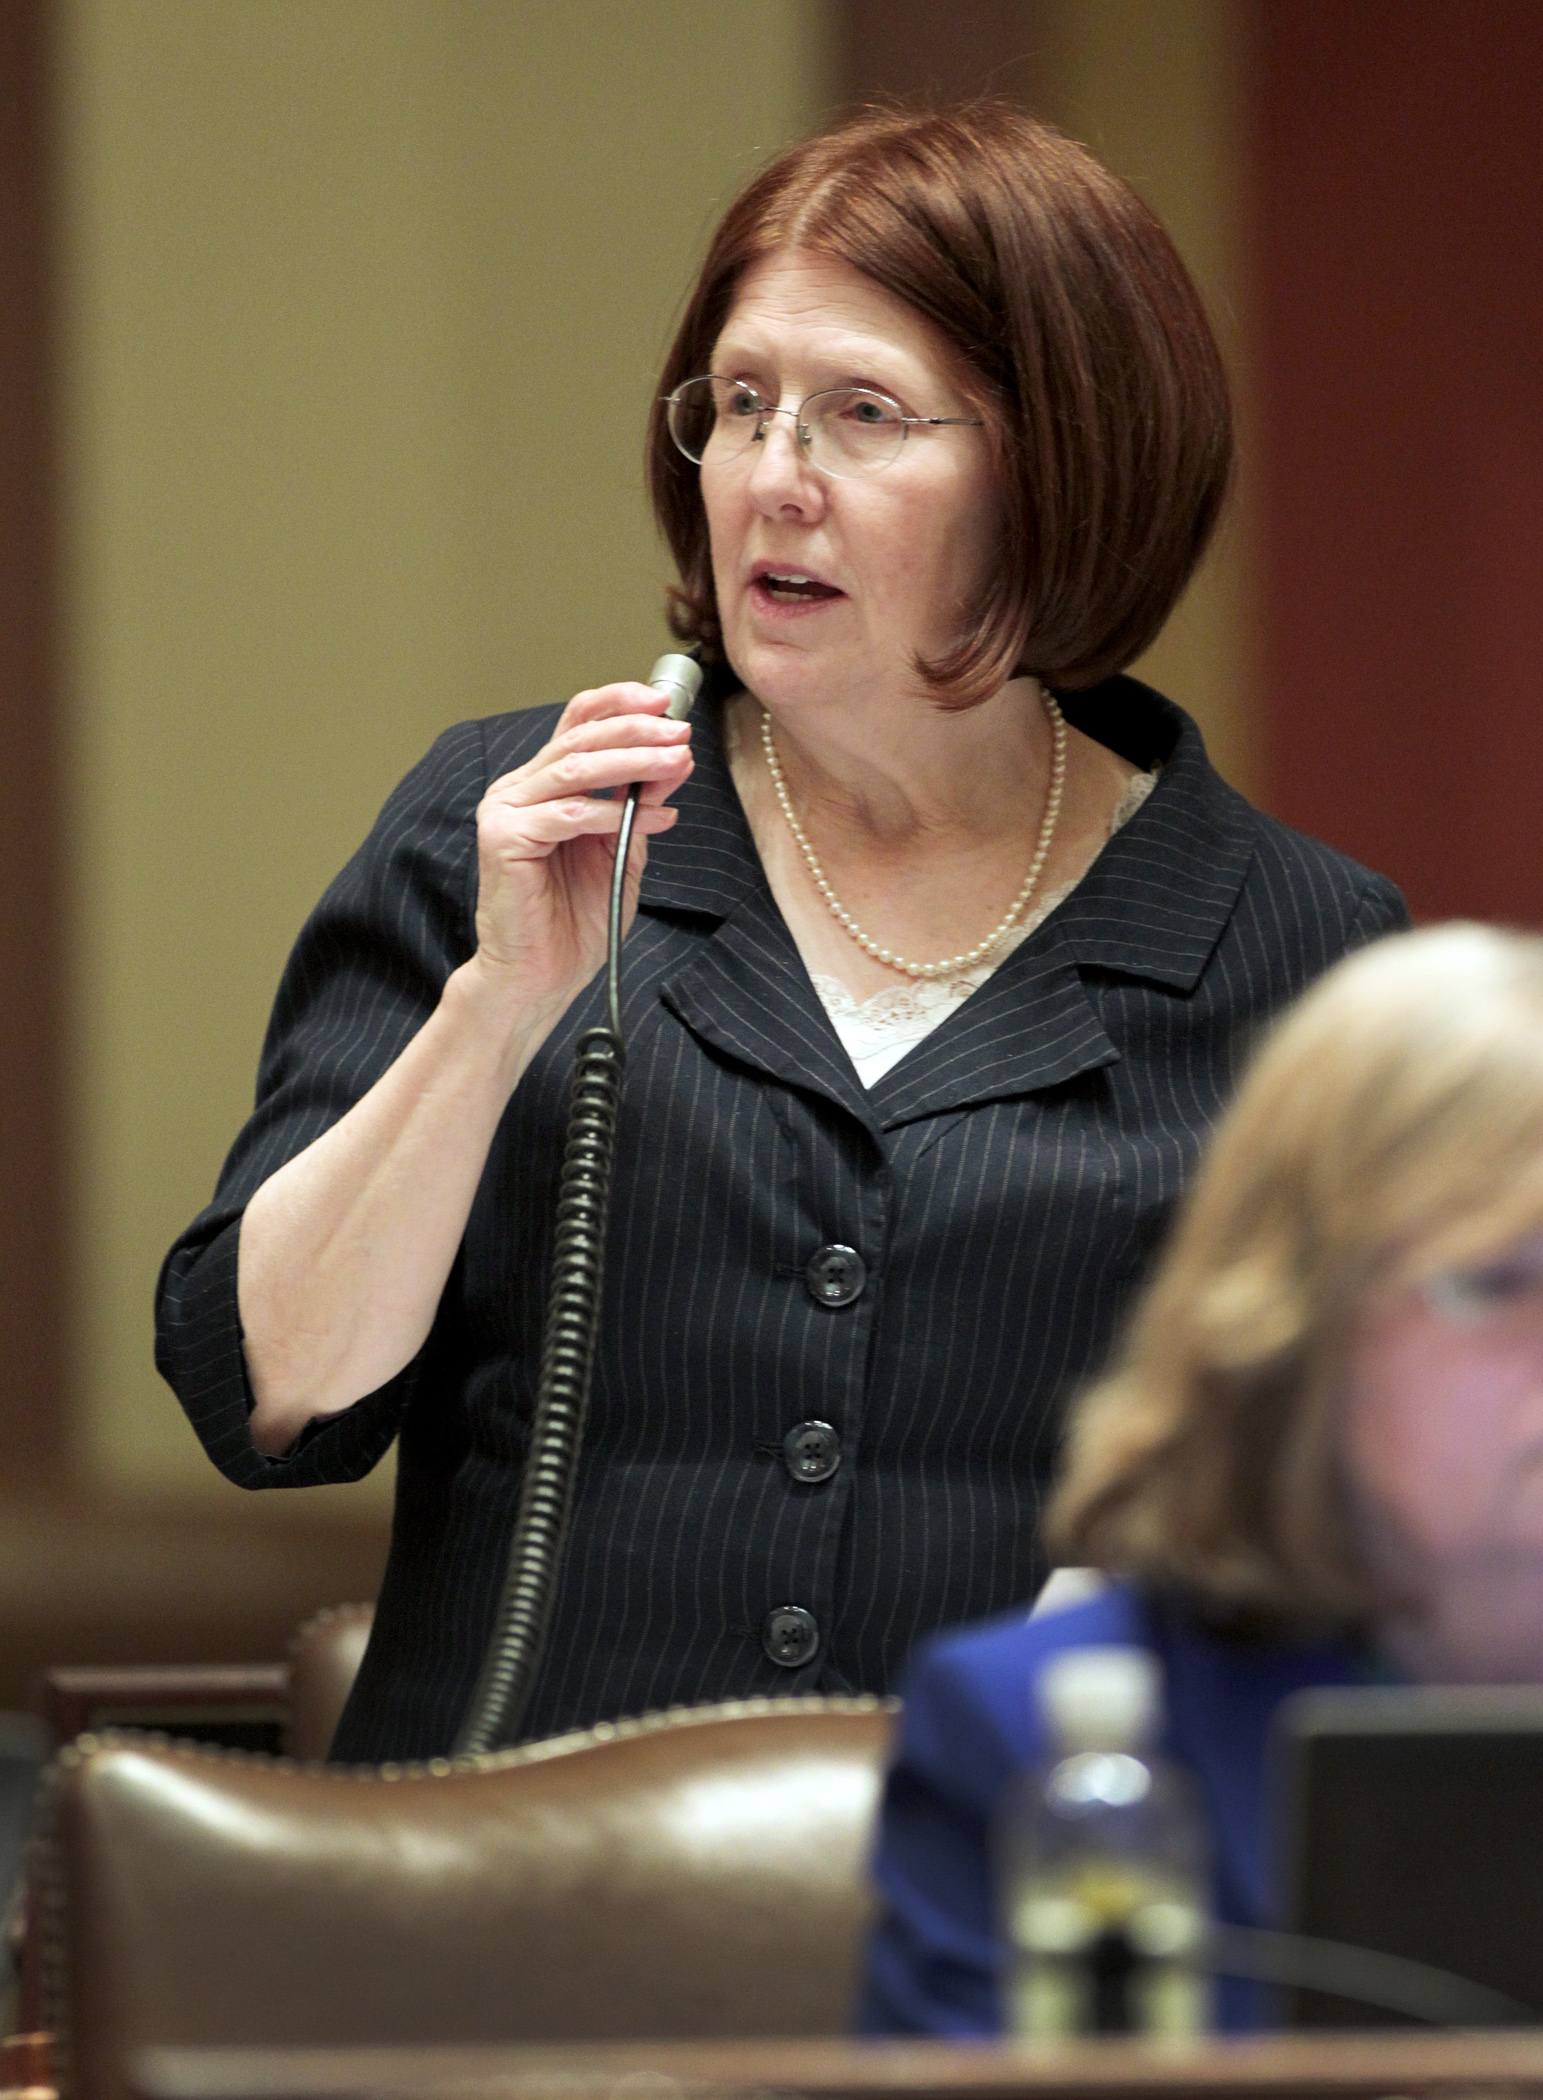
x: 790, y: 1636
x: 811, y: 1451
x: 835, y: 1277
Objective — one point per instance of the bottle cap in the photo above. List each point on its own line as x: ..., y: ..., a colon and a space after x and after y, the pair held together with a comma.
x: 1101, y: 1698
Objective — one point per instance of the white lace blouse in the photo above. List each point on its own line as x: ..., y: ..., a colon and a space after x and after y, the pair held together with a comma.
x: 878, y: 1032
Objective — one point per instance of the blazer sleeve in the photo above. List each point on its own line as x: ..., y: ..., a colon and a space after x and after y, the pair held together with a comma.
x: 365, y: 974
x: 932, y: 1962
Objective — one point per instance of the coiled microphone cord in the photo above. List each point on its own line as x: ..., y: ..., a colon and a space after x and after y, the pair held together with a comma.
x: 524, y: 1613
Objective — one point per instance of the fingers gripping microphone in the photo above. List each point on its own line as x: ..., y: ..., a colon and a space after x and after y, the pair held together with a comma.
x: 524, y: 1615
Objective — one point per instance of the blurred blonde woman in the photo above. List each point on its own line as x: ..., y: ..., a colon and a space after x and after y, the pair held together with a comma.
x: 1318, y: 1460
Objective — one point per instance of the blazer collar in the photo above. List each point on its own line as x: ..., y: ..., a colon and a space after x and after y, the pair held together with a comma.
x: 1157, y: 899
x: 1153, y: 906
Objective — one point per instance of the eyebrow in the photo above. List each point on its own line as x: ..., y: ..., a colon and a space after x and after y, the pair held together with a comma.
x: 727, y: 355
x: 857, y: 355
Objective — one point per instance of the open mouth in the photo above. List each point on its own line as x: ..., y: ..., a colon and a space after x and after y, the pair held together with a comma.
x: 793, y: 587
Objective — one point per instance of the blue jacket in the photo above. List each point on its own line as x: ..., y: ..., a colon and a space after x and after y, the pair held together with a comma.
x: 970, y: 1724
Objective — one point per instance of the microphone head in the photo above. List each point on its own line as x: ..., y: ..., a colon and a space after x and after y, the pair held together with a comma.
x: 681, y: 678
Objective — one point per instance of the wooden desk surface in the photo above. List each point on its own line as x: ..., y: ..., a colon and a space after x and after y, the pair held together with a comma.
x: 1283, y: 2067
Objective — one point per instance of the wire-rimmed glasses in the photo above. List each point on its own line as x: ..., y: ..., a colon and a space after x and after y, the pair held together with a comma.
x: 844, y: 430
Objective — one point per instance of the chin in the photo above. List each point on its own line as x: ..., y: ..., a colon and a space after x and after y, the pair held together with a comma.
x: 781, y: 671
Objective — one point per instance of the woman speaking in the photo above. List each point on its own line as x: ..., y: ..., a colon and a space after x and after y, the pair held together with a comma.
x: 946, y: 941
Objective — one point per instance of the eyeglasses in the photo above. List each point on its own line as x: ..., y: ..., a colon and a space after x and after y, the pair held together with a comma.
x: 1503, y: 1298
x: 844, y: 431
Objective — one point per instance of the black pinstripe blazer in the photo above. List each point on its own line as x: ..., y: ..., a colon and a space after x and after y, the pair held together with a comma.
x: 1003, y: 1185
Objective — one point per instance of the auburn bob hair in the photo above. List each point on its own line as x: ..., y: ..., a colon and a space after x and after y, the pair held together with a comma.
x: 1390, y: 1128
x: 1076, y: 334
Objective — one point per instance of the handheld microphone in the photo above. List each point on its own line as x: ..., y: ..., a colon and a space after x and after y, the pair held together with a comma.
x: 681, y: 678
x: 524, y: 1613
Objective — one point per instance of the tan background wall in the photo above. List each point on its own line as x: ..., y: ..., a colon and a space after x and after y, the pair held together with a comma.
x: 363, y: 304
x: 1158, y: 89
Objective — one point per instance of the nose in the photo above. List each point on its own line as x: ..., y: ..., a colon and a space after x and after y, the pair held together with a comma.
x: 764, y: 418
x: 780, y: 474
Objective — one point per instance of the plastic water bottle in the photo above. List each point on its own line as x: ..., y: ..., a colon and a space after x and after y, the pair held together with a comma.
x: 1102, y: 1864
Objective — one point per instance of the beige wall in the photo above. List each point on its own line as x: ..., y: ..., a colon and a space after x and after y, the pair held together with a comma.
x: 363, y: 302
x: 1158, y: 89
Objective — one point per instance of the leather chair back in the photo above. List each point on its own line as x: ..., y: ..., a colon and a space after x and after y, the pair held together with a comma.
x: 324, y: 1659
x: 699, y: 1873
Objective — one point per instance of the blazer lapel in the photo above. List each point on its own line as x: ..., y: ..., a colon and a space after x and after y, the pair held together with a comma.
x: 1158, y: 898
x: 746, y: 991
x: 748, y: 994
x: 1030, y: 1026
x: 1153, y: 906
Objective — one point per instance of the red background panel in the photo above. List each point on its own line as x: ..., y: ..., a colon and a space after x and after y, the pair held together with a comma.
x: 1398, y: 232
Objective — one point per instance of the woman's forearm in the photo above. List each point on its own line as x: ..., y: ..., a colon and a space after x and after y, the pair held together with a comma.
x: 346, y: 1249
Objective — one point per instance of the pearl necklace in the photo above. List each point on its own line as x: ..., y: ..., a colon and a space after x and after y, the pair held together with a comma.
x: 1004, y: 926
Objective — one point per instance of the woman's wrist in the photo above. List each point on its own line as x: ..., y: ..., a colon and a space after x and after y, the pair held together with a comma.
x: 490, y: 1006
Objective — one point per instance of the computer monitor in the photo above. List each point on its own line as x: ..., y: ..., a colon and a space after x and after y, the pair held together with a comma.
x: 1411, y: 1820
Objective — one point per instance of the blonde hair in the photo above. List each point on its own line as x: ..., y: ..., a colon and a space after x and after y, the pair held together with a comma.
x: 1390, y: 1126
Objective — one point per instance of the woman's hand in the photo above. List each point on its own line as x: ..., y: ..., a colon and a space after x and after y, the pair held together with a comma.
x: 345, y: 1250
x: 545, y: 840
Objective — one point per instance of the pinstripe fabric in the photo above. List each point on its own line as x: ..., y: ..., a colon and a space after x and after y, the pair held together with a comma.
x: 1004, y: 1184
